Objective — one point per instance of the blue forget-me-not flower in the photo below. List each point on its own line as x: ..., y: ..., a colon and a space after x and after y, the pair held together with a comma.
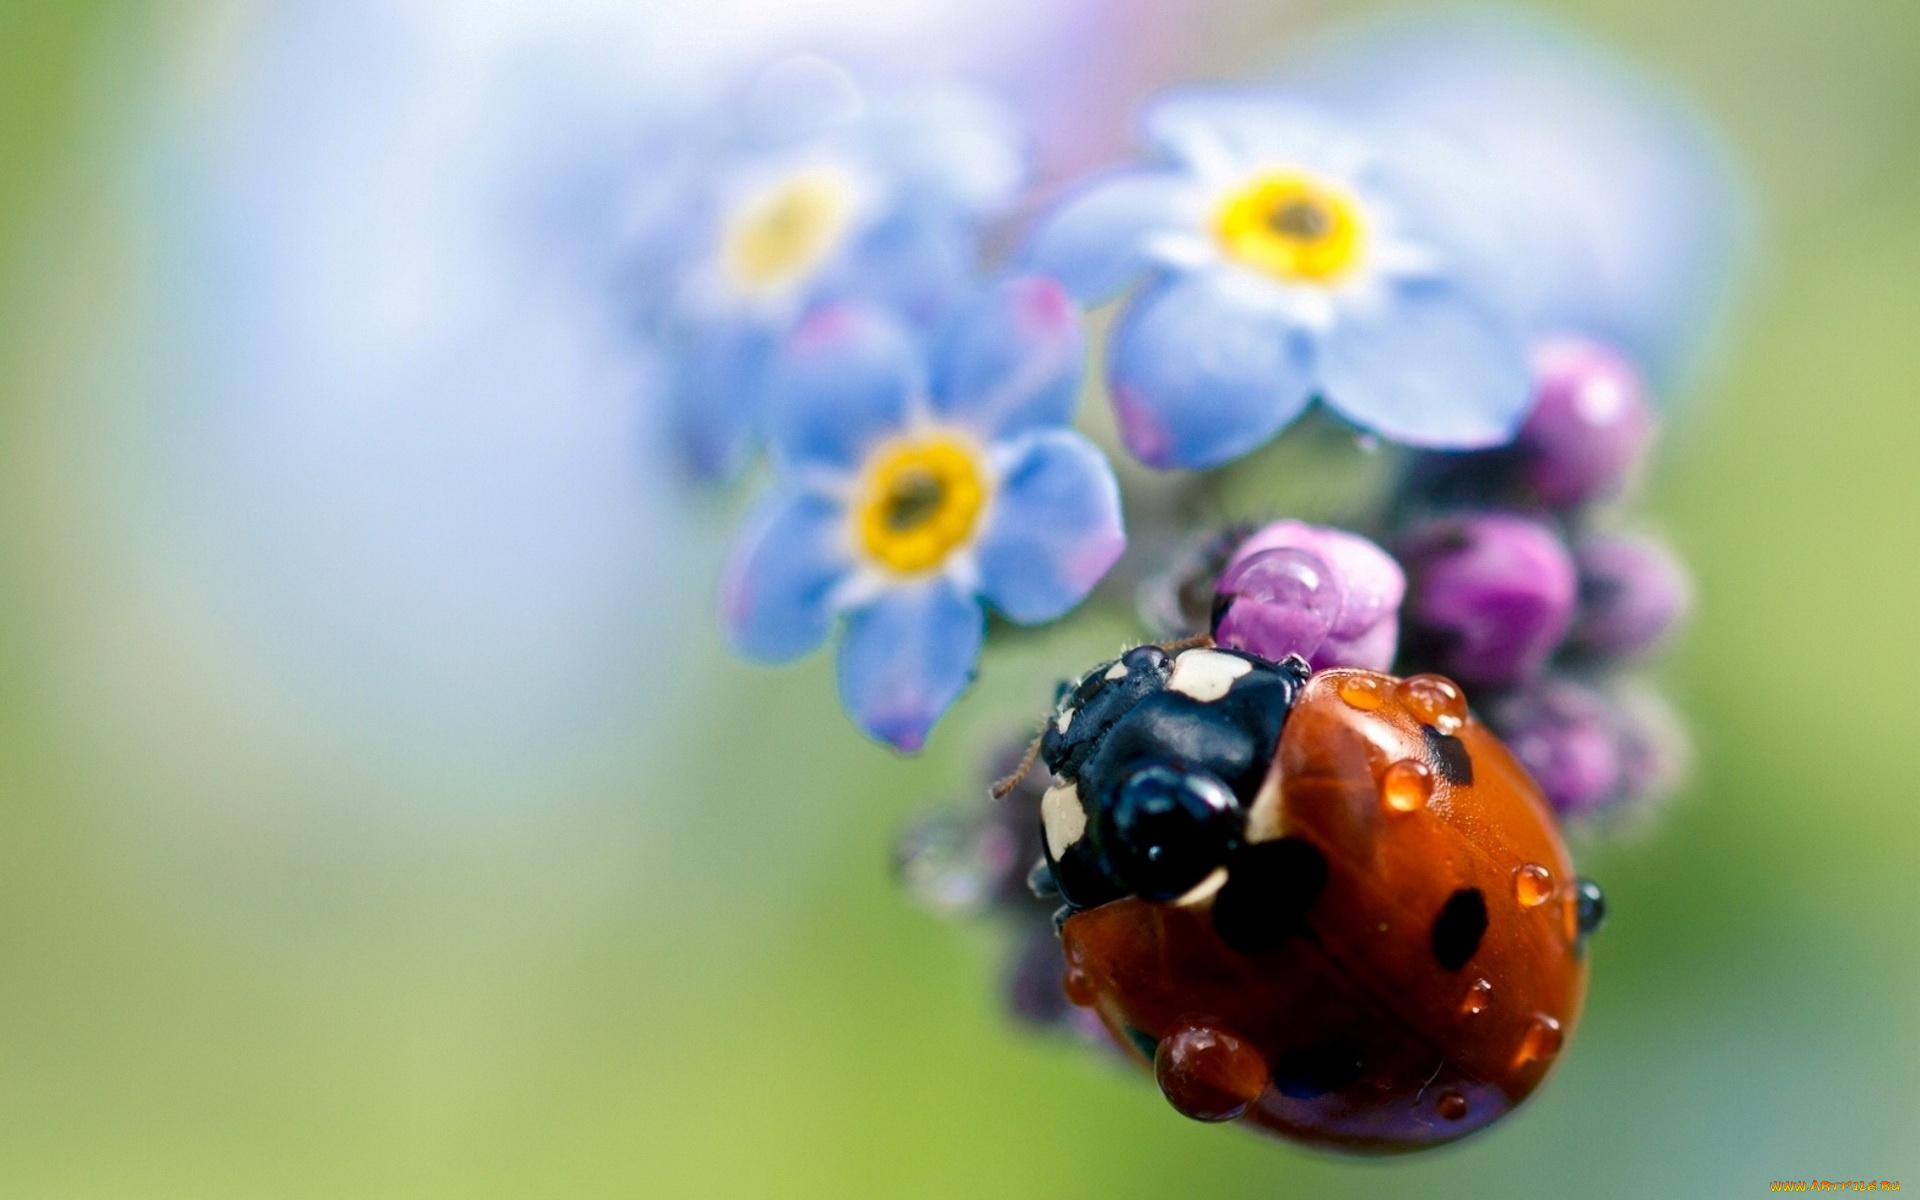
x: 1289, y: 257
x: 1633, y: 220
x: 813, y: 192
x: 917, y: 478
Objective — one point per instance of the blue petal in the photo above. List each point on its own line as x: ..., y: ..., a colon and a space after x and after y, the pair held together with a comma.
x: 781, y: 574
x: 1443, y: 201
x: 1096, y: 241
x: 1011, y: 360
x: 914, y: 263
x: 1203, y: 374
x: 715, y: 379
x: 1055, y: 528
x: 842, y: 382
x: 907, y: 657
x: 1432, y: 368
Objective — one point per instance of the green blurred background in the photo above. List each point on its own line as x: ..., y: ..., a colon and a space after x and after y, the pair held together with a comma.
x: 241, y: 955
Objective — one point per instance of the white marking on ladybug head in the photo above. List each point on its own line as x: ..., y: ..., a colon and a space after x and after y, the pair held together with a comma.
x: 1063, y: 817
x: 1205, y: 890
x: 1206, y: 675
x: 1063, y: 720
x: 1117, y: 671
x: 1265, y: 813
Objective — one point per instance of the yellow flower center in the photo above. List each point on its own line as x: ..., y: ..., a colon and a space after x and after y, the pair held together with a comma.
x: 920, y: 502
x: 1292, y: 228
x: 780, y: 236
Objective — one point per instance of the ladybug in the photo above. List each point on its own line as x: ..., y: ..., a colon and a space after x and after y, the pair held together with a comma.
x: 1329, y: 905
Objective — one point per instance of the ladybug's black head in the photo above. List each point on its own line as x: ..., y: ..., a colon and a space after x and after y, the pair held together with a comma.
x: 1159, y: 754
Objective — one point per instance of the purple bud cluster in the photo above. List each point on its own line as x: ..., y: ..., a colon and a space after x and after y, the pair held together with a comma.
x: 1519, y: 589
x: 1493, y: 597
x: 1590, y: 425
x: 1594, y: 746
x: 1505, y: 575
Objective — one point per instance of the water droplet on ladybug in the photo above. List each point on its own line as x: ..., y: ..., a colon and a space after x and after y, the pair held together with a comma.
x: 1479, y: 995
x: 1436, y: 701
x: 1532, y: 885
x: 1209, y: 1074
x: 1541, y: 1041
x: 1079, y: 987
x: 1406, y: 786
x: 1451, y: 1106
x: 1368, y: 693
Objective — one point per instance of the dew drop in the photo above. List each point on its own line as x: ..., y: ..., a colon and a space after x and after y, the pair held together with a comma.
x: 1532, y: 885
x: 1364, y: 692
x: 1451, y: 1106
x: 1277, y: 602
x: 950, y: 864
x: 1079, y: 988
x: 1406, y: 786
x: 1590, y: 907
x: 1541, y: 1042
x: 1479, y: 995
x: 1209, y: 1074
x: 1436, y: 701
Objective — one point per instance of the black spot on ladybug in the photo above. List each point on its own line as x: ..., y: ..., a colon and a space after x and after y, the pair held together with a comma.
x: 1459, y: 927
x: 1270, y: 887
x: 1146, y: 1044
x: 1449, y: 754
x: 1315, y: 1071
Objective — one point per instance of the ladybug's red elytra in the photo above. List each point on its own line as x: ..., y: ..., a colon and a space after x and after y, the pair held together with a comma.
x: 1331, y: 906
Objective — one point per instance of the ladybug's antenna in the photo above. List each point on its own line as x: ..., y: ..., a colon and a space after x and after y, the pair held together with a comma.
x: 1000, y: 789
x: 1194, y: 642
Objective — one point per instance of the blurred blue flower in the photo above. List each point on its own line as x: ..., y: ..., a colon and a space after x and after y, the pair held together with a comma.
x: 806, y: 192
x: 915, y: 479
x: 1292, y: 257
x: 1634, y: 222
